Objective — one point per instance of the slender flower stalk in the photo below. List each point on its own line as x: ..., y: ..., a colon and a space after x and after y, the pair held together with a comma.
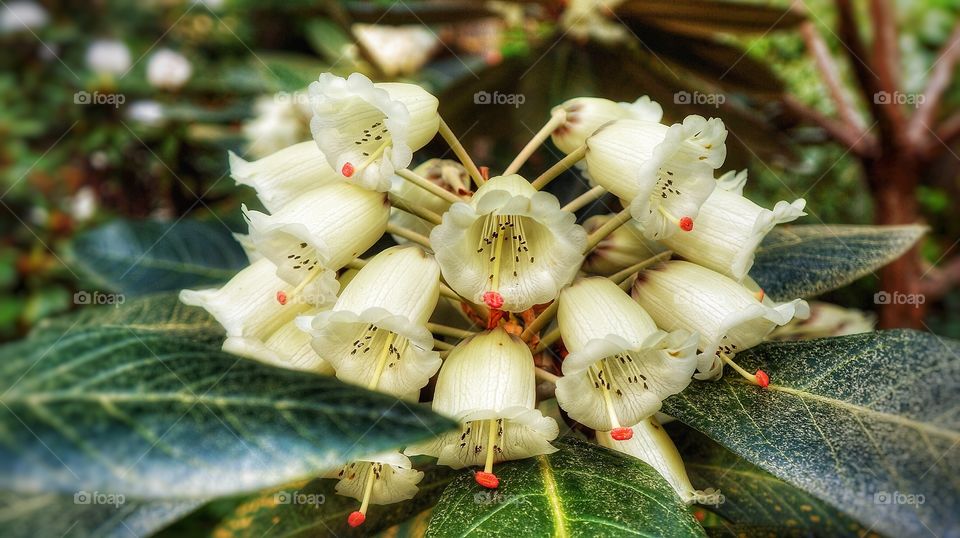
x: 619, y: 249
x: 562, y: 166
x: 592, y: 195
x: 461, y: 153
x: 419, y: 209
x: 557, y: 118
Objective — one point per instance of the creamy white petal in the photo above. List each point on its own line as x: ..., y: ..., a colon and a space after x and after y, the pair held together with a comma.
x: 727, y: 316
x: 368, y: 131
x: 403, y: 280
x: 281, y: 177
x: 584, y: 115
x: 394, y: 479
x: 398, y: 50
x: 621, y: 249
x: 288, y: 346
x: 509, y: 239
x: 595, y: 307
x: 616, y: 153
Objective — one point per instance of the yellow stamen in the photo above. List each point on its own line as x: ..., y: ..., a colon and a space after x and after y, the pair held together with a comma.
x: 367, y: 490
x: 491, y: 439
x: 382, y: 361
x: 746, y: 375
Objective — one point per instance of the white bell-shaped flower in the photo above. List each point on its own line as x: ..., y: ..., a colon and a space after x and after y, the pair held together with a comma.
x: 620, y: 366
x: 108, y: 57
x: 651, y: 444
x: 280, y: 120
x: 727, y: 316
x: 665, y: 173
x: 318, y: 233
x: 368, y: 131
x: 444, y: 173
x: 168, y: 69
x: 510, y: 247
x: 584, y: 115
x: 487, y: 384
x: 730, y: 228
x: 375, y: 335
x: 281, y: 177
x: 622, y: 248
x: 257, y: 326
x: 398, y: 50
x: 381, y: 479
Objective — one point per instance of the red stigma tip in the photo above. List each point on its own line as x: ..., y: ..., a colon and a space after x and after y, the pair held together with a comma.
x: 347, y: 170
x: 686, y: 224
x: 281, y: 297
x: 487, y: 480
x: 493, y: 299
x: 355, y: 519
x: 760, y: 295
x: 622, y: 434
x: 762, y: 378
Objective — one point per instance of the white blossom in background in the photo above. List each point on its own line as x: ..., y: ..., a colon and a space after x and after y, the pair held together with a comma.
x: 380, y: 479
x: 397, y: 50
x: 108, y: 57
x: 487, y: 384
x: 445, y: 173
x: 23, y: 15
x: 728, y: 317
x: 375, y: 335
x: 168, y: 69
x: 280, y: 121
x: 368, y: 131
x: 624, y: 247
x: 510, y: 247
x: 665, y: 173
x: 584, y: 115
x: 589, y: 20
x: 826, y: 320
x: 730, y: 228
x: 147, y: 113
x: 283, y: 176
x: 620, y: 366
x: 83, y: 204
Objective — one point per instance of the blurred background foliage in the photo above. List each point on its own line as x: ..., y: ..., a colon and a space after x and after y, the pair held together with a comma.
x: 67, y: 166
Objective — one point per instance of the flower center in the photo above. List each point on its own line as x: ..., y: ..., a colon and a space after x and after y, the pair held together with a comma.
x: 388, y: 348
x: 371, y: 145
x: 368, y: 472
x: 611, y: 375
x: 481, y: 436
x: 303, y: 259
x: 503, y: 242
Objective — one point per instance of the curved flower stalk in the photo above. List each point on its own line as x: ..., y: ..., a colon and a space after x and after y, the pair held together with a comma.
x: 487, y: 383
x: 317, y: 234
x: 381, y: 479
x: 510, y: 247
x: 584, y: 115
x: 624, y: 247
x: 665, y: 172
x: 620, y: 366
x: 446, y: 174
x: 730, y: 228
x: 368, y: 131
x: 281, y: 177
x: 376, y: 335
x: 727, y: 316
x: 257, y: 326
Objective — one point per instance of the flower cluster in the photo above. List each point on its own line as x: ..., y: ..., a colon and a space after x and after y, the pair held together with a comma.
x: 490, y: 274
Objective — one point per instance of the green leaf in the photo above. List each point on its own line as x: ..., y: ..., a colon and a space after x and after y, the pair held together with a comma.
x: 868, y: 422
x: 164, y: 413
x: 581, y: 490
x: 313, y: 508
x: 88, y: 514
x: 138, y: 257
x: 807, y: 260
x: 752, y: 497
x: 158, y: 312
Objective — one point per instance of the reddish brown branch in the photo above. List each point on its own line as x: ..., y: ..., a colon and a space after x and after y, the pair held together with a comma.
x: 921, y: 125
x: 831, y: 77
x: 859, y: 142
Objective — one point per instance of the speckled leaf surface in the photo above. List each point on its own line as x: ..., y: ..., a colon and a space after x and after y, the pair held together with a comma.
x: 312, y: 508
x: 869, y: 423
x: 807, y: 260
x: 581, y: 490
x: 163, y: 413
x: 157, y: 312
x: 86, y: 515
x: 139, y: 257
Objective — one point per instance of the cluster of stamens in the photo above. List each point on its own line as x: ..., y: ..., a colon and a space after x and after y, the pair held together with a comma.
x: 391, y: 345
x: 375, y: 135
x: 369, y: 472
x: 502, y: 239
x: 300, y: 260
x: 474, y: 440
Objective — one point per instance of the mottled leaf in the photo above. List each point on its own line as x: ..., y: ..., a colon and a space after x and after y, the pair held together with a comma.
x: 139, y: 257
x: 158, y: 312
x: 869, y: 423
x: 581, y: 490
x: 807, y: 260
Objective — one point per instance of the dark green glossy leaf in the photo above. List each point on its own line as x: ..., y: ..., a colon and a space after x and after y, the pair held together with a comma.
x: 581, y: 490
x: 158, y: 312
x: 138, y: 257
x: 869, y: 423
x: 164, y: 414
x: 314, y: 509
x: 807, y: 260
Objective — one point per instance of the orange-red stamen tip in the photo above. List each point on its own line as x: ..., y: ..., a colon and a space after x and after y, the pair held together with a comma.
x: 760, y: 295
x: 762, y: 378
x: 621, y: 434
x: 686, y: 224
x: 487, y: 480
x: 347, y: 170
x: 493, y: 299
x: 281, y: 297
x: 355, y: 519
